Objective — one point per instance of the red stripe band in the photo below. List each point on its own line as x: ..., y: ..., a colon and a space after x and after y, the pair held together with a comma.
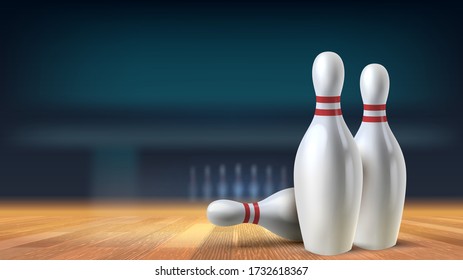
x: 256, y: 213
x: 247, y: 213
x: 374, y: 119
x: 328, y: 112
x: 374, y: 107
x: 328, y: 99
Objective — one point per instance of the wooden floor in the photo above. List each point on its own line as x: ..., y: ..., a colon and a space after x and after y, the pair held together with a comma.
x: 180, y: 230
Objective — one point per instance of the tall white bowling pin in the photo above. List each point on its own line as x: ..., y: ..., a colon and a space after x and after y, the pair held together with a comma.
x: 328, y: 167
x: 276, y: 213
x: 384, y: 172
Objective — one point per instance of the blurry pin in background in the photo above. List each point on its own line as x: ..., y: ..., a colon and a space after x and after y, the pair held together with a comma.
x: 238, y: 186
x: 222, y: 185
x: 207, y: 186
x: 283, y: 177
x: 193, y: 186
x: 268, y: 187
x: 254, y: 185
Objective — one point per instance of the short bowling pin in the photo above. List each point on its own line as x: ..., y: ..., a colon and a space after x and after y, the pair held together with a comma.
x: 277, y: 213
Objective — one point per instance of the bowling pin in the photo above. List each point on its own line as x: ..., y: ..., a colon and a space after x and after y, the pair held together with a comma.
x: 277, y: 213
x: 328, y: 168
x: 207, y: 186
x: 283, y: 177
x: 222, y: 185
x: 254, y: 185
x: 384, y: 172
x: 238, y: 186
x: 193, y: 188
x: 268, y: 187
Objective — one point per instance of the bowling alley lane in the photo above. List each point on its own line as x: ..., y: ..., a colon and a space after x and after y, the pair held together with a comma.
x: 431, y: 229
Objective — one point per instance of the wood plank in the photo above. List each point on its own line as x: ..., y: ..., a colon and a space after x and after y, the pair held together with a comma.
x: 13, y: 242
x: 44, y: 225
x: 438, y: 221
x: 420, y: 248
x: 255, y: 242
x: 87, y: 233
x: 432, y: 234
x: 136, y: 240
x: 217, y: 246
x: 184, y: 244
x: 458, y: 231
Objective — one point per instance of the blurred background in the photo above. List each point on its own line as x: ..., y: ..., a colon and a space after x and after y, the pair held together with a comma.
x: 198, y: 100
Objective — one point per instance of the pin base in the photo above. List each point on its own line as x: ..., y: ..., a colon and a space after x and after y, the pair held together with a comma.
x: 369, y: 246
x: 328, y: 251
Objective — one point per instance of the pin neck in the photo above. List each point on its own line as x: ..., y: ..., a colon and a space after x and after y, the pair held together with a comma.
x: 251, y: 211
x: 374, y: 113
x: 328, y: 106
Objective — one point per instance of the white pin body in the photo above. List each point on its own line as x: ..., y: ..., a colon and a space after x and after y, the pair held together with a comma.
x: 328, y: 169
x: 277, y: 214
x: 224, y: 212
x: 328, y: 186
x: 384, y: 181
x: 384, y: 170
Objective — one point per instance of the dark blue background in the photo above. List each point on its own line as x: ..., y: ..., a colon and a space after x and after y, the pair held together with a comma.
x: 122, y: 98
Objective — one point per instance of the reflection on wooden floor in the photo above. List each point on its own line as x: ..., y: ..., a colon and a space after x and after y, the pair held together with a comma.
x: 180, y: 230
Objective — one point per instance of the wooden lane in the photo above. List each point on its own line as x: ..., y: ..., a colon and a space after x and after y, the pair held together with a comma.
x: 180, y: 230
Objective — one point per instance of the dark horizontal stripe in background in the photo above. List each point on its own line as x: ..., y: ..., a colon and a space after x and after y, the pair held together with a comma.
x: 161, y: 87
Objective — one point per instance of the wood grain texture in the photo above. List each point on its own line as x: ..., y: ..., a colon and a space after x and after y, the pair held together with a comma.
x: 180, y: 230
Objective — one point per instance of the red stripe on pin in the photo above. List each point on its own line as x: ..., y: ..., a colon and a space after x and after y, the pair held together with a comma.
x: 328, y: 99
x: 374, y: 107
x: 374, y: 119
x: 328, y: 112
x: 256, y: 213
x: 247, y: 213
